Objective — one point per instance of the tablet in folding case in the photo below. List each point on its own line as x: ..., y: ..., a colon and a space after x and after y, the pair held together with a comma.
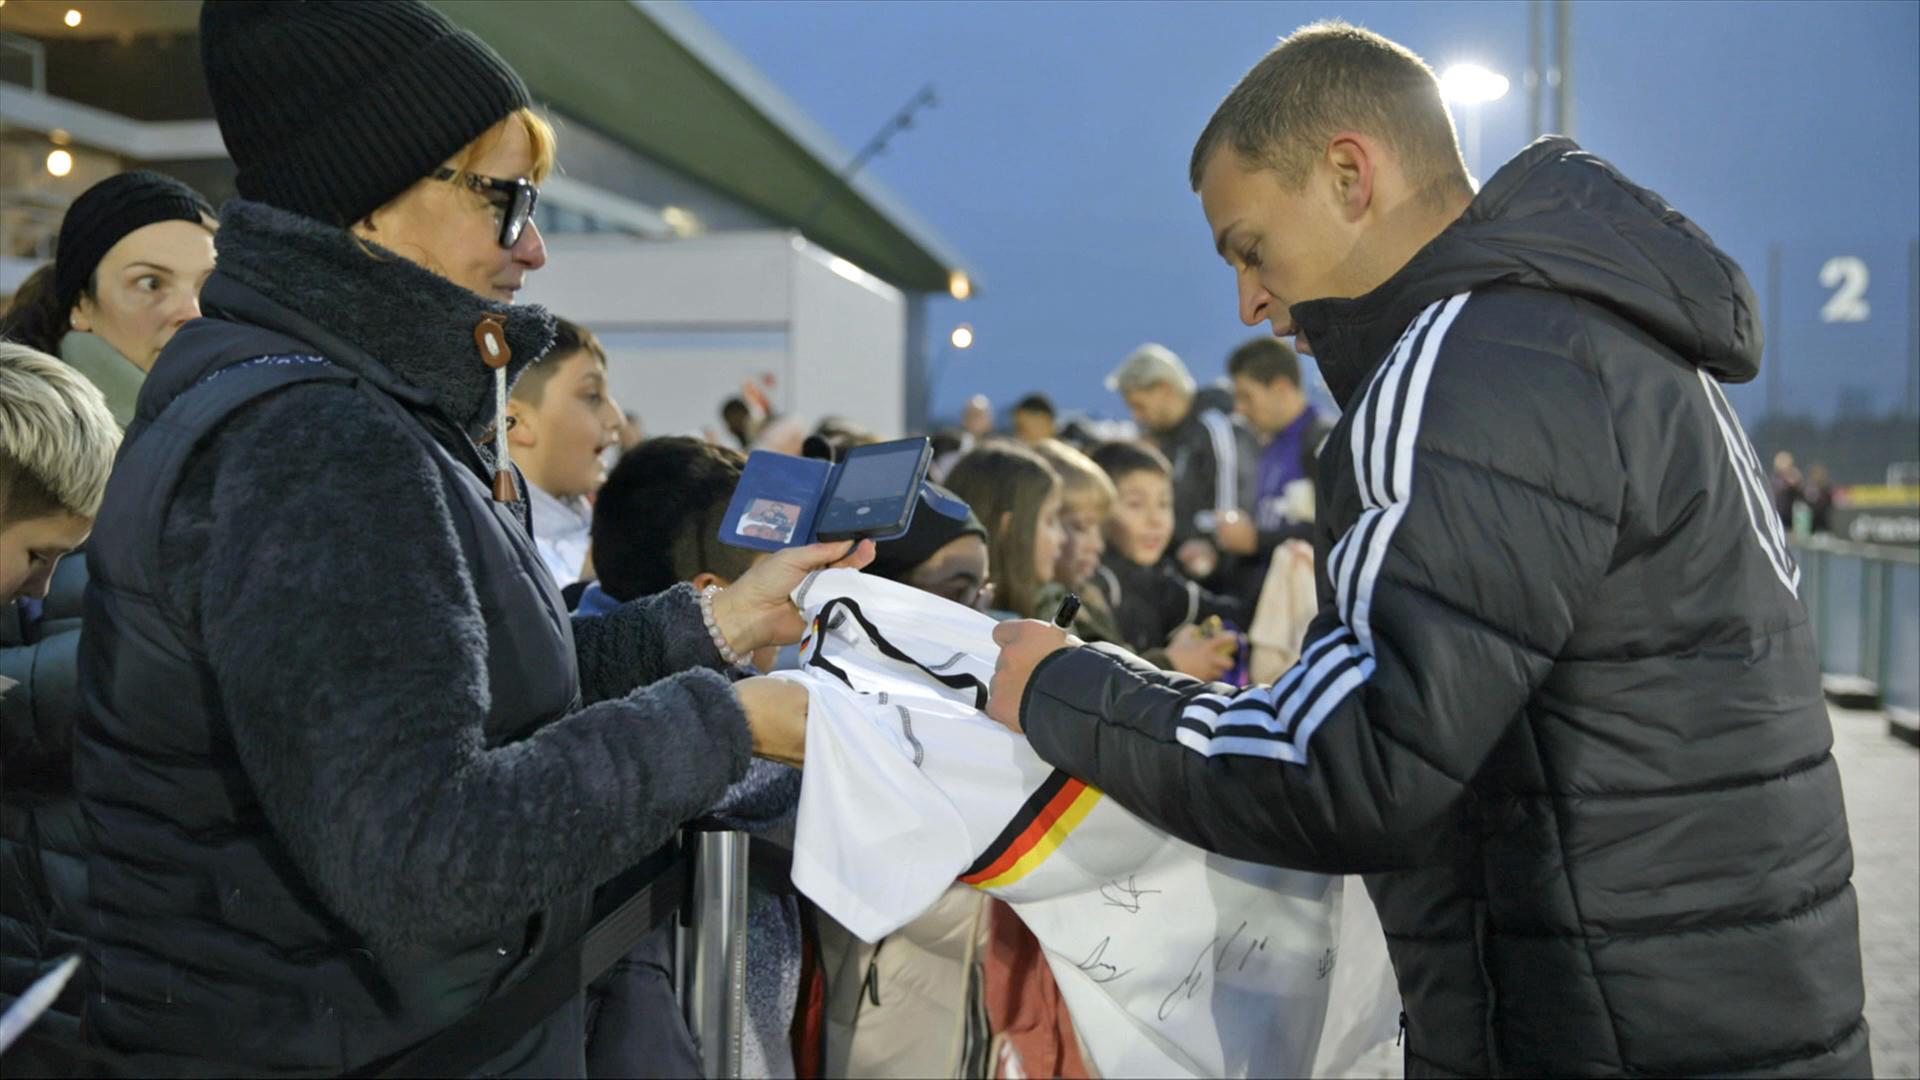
x: 784, y: 501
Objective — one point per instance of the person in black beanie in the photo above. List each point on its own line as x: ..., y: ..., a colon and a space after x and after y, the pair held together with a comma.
x: 942, y: 553
x: 133, y: 251
x: 351, y: 770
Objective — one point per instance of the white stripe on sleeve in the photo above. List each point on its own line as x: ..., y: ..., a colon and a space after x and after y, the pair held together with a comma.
x: 1226, y: 460
x: 1755, y: 493
x: 1277, y: 721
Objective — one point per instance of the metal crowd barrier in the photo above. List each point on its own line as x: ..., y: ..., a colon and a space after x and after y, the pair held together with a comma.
x: 1864, y: 600
x: 711, y: 962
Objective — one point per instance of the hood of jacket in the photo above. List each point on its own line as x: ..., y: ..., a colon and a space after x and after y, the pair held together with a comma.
x: 402, y: 327
x: 1560, y: 219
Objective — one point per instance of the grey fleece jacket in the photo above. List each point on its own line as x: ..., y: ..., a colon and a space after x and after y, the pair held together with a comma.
x: 310, y: 543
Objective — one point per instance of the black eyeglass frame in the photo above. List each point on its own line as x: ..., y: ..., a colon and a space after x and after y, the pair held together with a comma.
x: 522, y: 198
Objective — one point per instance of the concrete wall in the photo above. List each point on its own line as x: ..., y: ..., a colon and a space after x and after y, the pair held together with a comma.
x: 685, y: 322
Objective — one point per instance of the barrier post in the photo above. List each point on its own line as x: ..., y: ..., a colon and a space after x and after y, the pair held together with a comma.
x: 714, y: 977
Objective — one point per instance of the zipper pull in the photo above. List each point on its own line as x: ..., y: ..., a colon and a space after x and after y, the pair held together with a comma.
x: 1398, y: 1039
x: 872, y: 986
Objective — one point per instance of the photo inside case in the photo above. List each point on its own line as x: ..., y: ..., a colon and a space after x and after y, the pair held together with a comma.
x: 776, y: 500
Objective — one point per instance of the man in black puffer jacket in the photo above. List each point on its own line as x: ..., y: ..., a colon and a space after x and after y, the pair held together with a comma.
x: 1561, y: 704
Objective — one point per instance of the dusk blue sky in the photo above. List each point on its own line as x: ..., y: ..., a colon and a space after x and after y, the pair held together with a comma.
x: 1055, y: 162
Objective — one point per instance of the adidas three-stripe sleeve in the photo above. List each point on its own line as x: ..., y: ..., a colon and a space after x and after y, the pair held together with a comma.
x: 1455, y: 578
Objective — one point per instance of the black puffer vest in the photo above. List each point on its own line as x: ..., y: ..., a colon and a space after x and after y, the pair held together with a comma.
x: 193, y: 896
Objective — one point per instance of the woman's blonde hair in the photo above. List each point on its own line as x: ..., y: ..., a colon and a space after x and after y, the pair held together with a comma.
x: 57, y: 438
x: 1086, y: 486
x: 1007, y: 484
x: 539, y: 133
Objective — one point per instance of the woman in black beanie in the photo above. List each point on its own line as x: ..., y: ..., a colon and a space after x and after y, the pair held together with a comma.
x: 350, y: 769
x: 134, y: 250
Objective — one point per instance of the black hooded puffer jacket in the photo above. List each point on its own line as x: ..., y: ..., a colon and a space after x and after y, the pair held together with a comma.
x: 1561, y: 704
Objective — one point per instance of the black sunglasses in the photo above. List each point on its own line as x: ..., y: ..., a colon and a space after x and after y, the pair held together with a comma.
x: 520, y: 197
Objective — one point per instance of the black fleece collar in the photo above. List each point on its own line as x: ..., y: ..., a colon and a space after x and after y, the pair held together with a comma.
x: 399, y: 319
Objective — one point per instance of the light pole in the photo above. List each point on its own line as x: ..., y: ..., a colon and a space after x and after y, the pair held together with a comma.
x: 1469, y: 86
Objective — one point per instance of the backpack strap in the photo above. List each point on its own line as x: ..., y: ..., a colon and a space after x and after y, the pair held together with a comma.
x: 156, y: 453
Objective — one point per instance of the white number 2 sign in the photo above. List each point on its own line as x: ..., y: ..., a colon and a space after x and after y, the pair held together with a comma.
x: 1847, y: 277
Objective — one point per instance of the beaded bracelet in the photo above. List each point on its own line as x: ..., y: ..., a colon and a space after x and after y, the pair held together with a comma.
x: 713, y: 626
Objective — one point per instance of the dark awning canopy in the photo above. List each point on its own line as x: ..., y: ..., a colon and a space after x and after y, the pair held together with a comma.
x: 655, y: 78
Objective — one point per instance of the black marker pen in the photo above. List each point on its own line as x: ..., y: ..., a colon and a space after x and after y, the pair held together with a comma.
x: 1068, y: 609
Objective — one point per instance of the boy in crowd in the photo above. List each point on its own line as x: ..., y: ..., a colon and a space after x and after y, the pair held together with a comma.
x: 656, y: 523
x: 1149, y: 598
x: 1210, y: 457
x: 1033, y: 419
x: 564, y: 420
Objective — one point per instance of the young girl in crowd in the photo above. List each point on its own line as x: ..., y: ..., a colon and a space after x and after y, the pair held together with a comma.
x: 563, y: 422
x: 134, y: 250
x: 1088, y: 508
x: 1153, y: 604
x: 1018, y: 496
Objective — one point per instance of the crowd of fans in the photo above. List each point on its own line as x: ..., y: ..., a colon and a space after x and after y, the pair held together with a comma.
x: 1164, y: 537
x: 1804, y: 501
x: 396, y: 647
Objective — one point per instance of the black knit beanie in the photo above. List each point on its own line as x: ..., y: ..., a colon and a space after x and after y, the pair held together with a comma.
x: 930, y: 531
x: 107, y: 212
x: 331, y: 108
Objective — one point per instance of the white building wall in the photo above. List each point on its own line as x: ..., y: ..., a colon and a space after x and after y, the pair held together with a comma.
x: 686, y: 322
x: 848, y: 339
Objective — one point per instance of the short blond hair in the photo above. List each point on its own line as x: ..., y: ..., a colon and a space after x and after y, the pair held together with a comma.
x: 1086, y: 486
x: 57, y: 438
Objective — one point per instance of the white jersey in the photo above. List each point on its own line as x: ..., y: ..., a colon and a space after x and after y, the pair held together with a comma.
x: 1172, y: 961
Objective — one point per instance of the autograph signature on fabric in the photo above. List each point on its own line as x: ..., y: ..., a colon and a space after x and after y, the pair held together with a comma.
x: 1237, y: 946
x: 1125, y: 897
x: 1096, y: 966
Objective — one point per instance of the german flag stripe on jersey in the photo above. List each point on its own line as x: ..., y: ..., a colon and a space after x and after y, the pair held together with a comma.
x: 1044, y: 820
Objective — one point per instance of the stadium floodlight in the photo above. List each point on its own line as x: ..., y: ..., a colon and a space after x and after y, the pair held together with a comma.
x: 1471, y: 84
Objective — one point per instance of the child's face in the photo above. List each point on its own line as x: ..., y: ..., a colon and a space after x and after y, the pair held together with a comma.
x: 30, y: 549
x: 559, y: 442
x: 1049, y: 540
x: 1083, y: 524
x: 1142, y: 523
